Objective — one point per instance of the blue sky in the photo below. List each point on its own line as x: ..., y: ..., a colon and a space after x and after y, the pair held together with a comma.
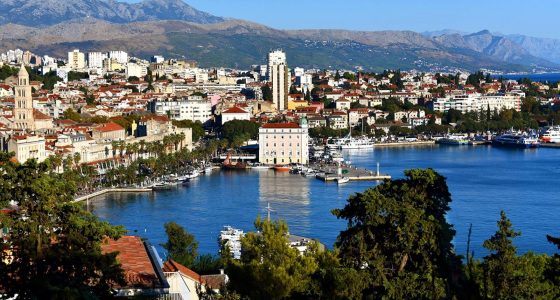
x: 535, y: 18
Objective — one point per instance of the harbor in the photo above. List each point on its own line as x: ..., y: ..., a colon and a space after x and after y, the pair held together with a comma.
x: 237, y: 197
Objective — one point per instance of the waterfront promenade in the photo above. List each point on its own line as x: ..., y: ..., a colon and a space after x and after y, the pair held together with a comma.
x: 111, y: 190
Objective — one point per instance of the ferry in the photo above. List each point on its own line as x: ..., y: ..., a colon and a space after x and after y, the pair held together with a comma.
x: 516, y: 140
x: 551, y: 135
x: 453, y: 139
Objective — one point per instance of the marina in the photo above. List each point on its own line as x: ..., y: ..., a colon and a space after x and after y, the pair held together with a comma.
x: 236, y: 198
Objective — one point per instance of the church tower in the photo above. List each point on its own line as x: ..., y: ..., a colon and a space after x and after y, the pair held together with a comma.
x: 23, y: 112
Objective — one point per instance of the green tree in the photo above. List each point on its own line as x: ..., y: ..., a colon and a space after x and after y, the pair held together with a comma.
x: 240, y: 130
x: 55, y: 244
x: 197, y: 129
x: 72, y: 115
x: 269, y: 268
x: 499, y: 266
x: 181, y: 245
x: 267, y: 92
x: 398, y: 235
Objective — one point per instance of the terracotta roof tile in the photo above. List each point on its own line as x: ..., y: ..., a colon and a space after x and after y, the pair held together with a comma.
x: 134, y: 260
x: 280, y: 125
x: 234, y: 110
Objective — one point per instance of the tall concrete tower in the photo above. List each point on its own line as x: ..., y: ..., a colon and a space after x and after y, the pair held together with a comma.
x: 279, y: 75
x: 23, y: 111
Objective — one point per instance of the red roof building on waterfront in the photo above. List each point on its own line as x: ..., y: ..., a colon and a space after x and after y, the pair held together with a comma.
x: 280, y: 125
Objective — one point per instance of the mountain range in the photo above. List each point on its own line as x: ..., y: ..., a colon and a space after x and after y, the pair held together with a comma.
x: 175, y: 29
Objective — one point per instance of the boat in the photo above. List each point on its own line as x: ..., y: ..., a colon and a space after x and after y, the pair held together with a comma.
x: 551, y: 135
x: 308, y: 173
x: 231, y: 237
x: 337, y: 157
x: 208, y: 170
x: 259, y: 166
x: 453, y: 139
x: 516, y: 140
x: 281, y: 168
x: 162, y: 186
x: 341, y: 180
x: 228, y: 164
x: 349, y: 143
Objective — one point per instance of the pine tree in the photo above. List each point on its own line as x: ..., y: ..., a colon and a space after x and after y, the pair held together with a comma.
x: 499, y: 266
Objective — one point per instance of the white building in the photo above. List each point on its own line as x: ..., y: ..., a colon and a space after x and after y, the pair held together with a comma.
x: 477, y: 102
x: 136, y: 70
x: 76, y: 60
x: 279, y: 75
x: 195, y: 108
x: 283, y: 143
x: 95, y: 59
x: 235, y: 113
x: 120, y: 56
x: 27, y: 147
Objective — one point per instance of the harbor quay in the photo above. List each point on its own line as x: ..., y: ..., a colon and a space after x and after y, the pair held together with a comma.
x: 331, y: 172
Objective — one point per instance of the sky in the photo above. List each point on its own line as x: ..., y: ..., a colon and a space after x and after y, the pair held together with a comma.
x: 534, y: 18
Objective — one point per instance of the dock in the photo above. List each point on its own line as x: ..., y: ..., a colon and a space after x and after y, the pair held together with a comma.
x: 111, y: 190
x: 330, y: 173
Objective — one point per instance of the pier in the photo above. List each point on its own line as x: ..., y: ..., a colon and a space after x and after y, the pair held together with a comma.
x: 332, y: 172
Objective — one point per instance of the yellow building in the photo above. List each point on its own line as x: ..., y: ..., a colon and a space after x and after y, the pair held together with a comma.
x: 293, y: 104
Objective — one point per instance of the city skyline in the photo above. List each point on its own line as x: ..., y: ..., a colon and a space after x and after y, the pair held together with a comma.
x: 397, y: 15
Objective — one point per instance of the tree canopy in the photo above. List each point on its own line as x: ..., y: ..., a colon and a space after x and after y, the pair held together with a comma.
x: 55, y: 245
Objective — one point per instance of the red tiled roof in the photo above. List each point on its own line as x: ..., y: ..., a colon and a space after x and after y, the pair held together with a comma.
x: 280, y: 125
x: 155, y: 118
x: 106, y: 127
x: 40, y: 116
x: 134, y: 260
x: 173, y: 266
x: 235, y: 110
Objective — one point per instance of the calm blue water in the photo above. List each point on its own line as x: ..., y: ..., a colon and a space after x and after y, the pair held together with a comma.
x: 482, y: 180
x: 550, y: 77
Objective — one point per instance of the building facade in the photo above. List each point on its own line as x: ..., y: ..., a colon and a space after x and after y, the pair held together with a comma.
x: 27, y: 147
x: 195, y: 108
x: 76, y: 60
x: 284, y: 143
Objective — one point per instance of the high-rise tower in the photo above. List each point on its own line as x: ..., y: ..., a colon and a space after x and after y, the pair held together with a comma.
x: 279, y: 75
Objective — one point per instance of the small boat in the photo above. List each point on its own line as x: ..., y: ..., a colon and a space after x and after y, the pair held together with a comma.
x: 341, y: 180
x: 162, y: 186
x: 281, y: 168
x: 259, y: 166
x: 308, y: 173
x: 208, y: 170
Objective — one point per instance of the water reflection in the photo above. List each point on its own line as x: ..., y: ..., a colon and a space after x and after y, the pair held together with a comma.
x: 288, y: 195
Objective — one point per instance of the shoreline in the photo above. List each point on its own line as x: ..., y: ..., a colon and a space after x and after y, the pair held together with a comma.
x: 111, y: 190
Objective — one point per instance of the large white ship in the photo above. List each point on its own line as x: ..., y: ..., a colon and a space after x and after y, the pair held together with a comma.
x: 348, y: 142
x: 551, y: 135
